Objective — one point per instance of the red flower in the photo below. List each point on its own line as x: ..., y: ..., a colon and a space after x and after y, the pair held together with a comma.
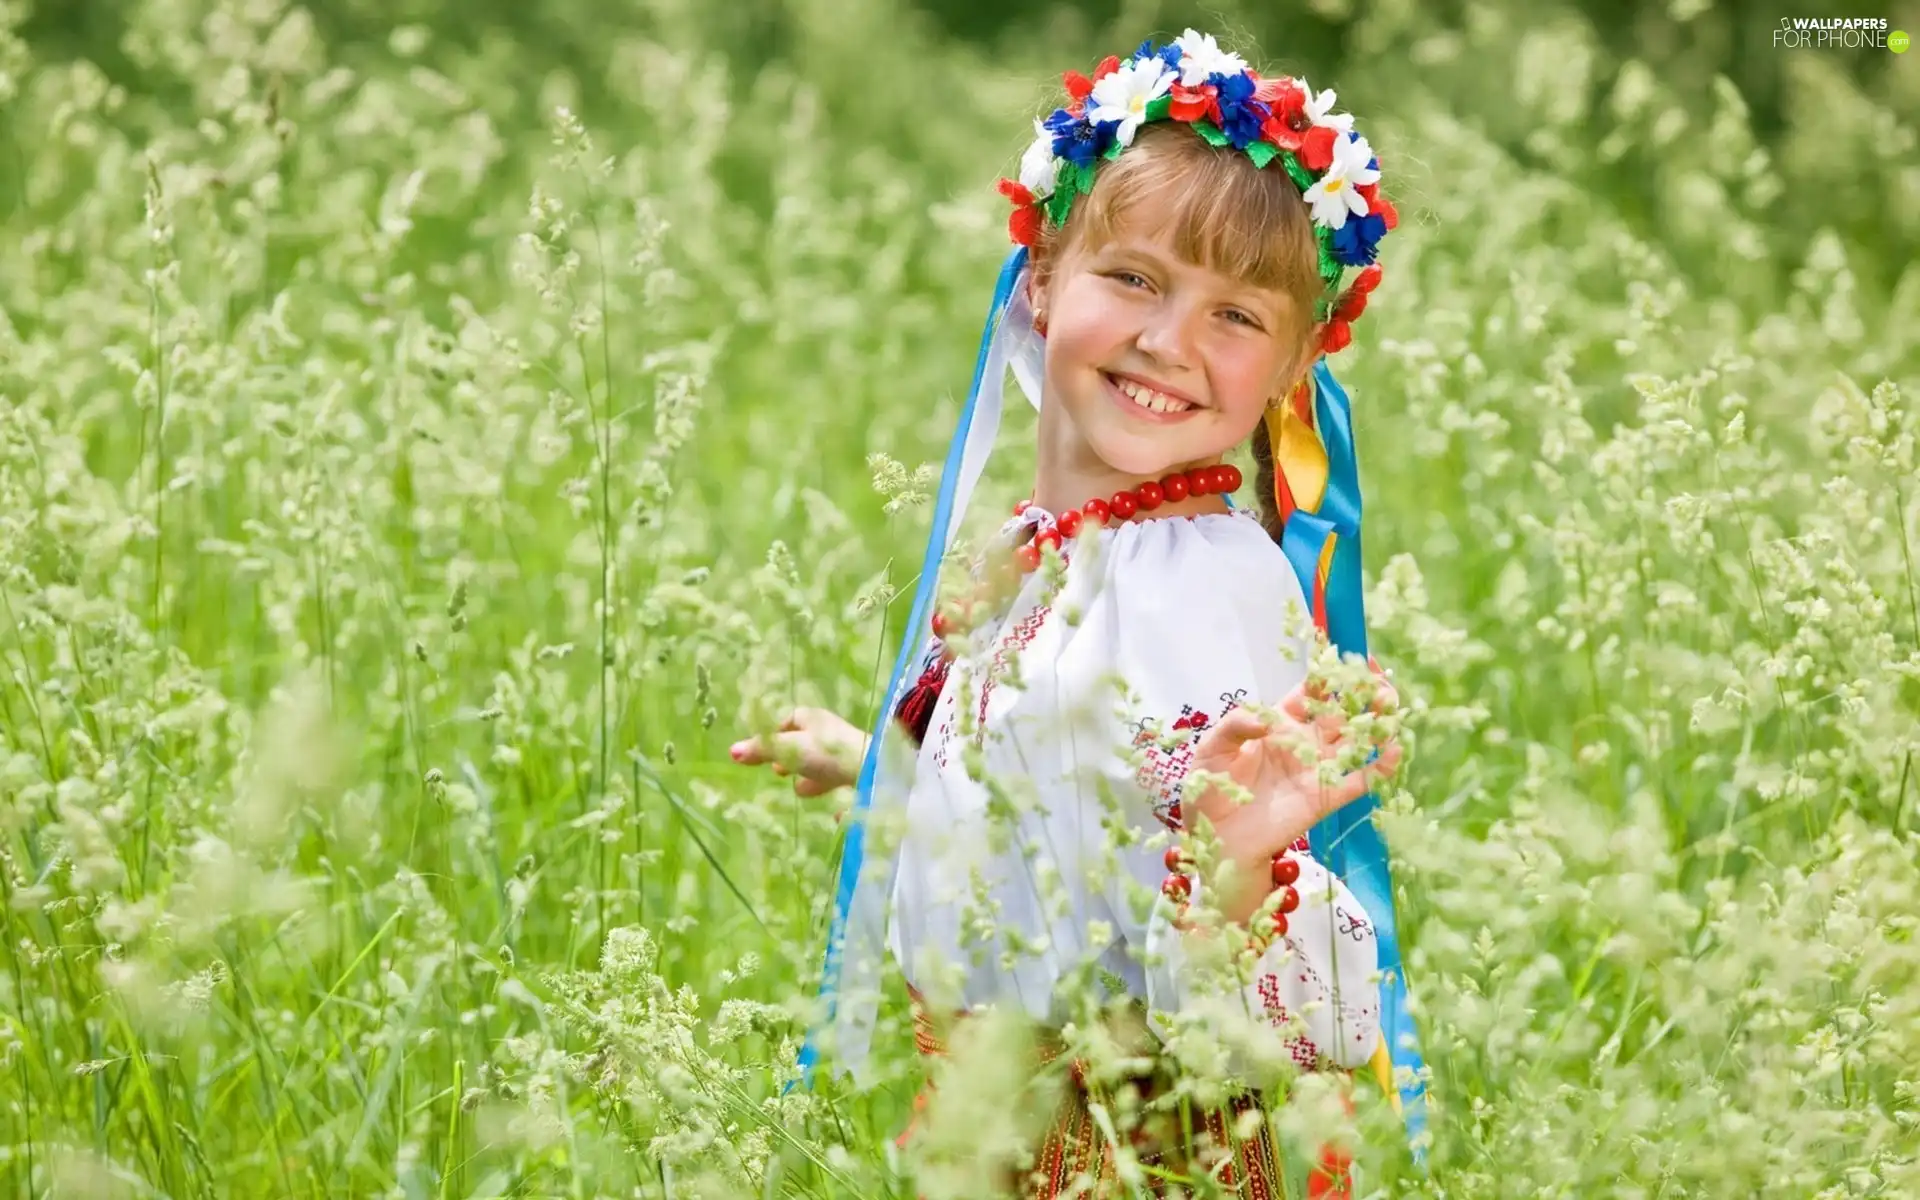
x: 1023, y: 225
x: 1370, y: 192
x: 1336, y: 336
x: 1287, y: 121
x: 1108, y: 66
x: 1316, y: 148
x: 1275, y: 130
x: 1289, y: 127
x: 1190, y: 104
x: 1078, y: 86
x: 1353, y: 302
x: 1368, y: 279
x: 1287, y: 99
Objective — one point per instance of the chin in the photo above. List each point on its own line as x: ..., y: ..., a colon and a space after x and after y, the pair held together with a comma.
x: 1144, y: 461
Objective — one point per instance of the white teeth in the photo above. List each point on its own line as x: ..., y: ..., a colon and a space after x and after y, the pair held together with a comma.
x: 1146, y: 397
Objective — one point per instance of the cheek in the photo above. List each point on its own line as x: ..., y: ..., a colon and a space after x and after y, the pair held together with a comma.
x: 1085, y: 328
x: 1243, y: 379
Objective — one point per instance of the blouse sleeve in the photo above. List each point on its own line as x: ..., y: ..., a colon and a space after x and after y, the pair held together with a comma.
x: 915, y: 709
x: 1198, y: 635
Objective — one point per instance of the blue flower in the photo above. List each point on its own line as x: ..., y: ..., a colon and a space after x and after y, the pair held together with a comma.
x: 1356, y: 242
x: 1169, y: 53
x: 1078, y: 140
x: 1241, y: 116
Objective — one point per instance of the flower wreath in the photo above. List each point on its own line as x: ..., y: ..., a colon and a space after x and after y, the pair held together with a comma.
x: 1194, y: 81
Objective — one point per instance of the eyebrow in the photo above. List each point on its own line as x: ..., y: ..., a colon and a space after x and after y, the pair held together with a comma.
x: 1269, y: 303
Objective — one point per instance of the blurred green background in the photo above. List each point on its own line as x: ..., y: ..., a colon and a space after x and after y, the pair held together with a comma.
x: 1686, y: 45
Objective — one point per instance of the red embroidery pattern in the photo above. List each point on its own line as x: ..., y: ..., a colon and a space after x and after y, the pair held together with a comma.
x: 944, y: 738
x: 1015, y: 640
x: 1163, y: 769
x: 1017, y: 637
x: 1304, y: 1053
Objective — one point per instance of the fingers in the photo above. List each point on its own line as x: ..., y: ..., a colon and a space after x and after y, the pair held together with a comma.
x: 1289, y: 743
x: 1227, y: 739
x: 748, y: 752
x: 1295, y: 704
x: 1331, y: 726
x: 1355, y: 784
x: 1239, y: 725
x: 1327, y: 725
x: 753, y: 751
x: 811, y: 746
x: 1386, y: 697
x: 1300, y: 734
x: 1386, y: 763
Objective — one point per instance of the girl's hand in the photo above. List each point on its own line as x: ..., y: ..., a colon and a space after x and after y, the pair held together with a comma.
x: 1279, y: 764
x: 821, y: 749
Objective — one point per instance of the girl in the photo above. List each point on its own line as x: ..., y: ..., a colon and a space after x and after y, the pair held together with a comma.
x: 1184, y: 229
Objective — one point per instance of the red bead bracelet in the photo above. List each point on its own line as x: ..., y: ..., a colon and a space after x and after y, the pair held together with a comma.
x: 1265, y: 930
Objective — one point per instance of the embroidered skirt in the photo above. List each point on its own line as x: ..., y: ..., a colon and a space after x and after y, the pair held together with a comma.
x: 1075, y: 1156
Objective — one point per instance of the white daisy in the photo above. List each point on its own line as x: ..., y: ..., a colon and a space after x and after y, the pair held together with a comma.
x: 1335, y: 194
x: 1320, y: 109
x: 1201, y: 56
x: 1123, y: 95
x: 1038, y: 167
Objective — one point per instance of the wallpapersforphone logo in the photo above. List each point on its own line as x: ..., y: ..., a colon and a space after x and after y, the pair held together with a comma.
x: 1839, y: 33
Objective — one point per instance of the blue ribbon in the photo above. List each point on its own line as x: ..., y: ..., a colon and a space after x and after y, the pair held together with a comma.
x: 1347, y: 841
x: 854, y: 853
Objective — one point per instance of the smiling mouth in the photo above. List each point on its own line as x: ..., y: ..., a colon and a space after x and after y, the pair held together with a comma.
x: 1145, y: 398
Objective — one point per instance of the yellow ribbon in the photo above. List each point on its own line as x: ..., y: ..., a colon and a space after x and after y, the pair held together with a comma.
x: 1382, y: 1064
x: 1298, y: 456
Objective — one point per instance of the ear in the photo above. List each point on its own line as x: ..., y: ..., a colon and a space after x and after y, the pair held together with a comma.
x: 1039, y: 274
x: 1300, y: 362
x: 1037, y: 303
x: 1308, y: 352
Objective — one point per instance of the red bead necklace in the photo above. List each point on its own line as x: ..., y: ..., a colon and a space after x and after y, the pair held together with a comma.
x: 1262, y: 931
x: 1219, y: 479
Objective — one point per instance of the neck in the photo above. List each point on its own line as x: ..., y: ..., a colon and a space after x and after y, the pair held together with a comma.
x: 1067, y: 474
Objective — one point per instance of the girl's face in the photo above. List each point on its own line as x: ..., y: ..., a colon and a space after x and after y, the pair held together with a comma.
x: 1132, y: 327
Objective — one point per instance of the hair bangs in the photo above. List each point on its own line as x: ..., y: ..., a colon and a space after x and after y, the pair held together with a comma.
x: 1222, y: 212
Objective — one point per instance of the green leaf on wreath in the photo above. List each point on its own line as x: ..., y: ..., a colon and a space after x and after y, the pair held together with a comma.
x: 1302, y: 178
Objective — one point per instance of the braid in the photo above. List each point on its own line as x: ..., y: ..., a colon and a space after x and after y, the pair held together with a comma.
x: 1263, y: 483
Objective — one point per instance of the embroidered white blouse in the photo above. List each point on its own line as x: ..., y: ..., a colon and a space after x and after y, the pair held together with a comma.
x: 1160, y: 626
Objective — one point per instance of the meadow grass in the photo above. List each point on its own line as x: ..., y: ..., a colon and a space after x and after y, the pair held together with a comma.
x: 408, y: 490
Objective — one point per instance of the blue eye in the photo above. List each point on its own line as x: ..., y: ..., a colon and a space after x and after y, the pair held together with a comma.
x: 1243, y: 318
x: 1125, y: 276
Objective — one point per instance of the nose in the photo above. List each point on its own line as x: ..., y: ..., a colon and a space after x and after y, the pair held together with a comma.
x: 1167, y: 335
